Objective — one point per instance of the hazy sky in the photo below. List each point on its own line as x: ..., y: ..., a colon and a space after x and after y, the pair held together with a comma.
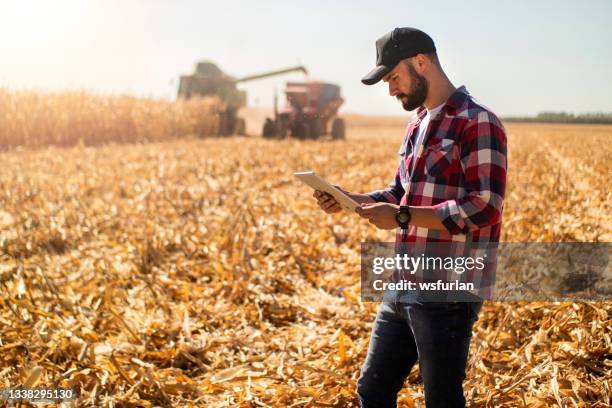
x: 517, y: 57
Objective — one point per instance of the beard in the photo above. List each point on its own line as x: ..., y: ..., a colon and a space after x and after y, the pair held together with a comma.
x: 418, y: 90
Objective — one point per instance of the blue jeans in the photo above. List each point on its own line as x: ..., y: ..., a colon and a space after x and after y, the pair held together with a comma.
x: 437, y: 334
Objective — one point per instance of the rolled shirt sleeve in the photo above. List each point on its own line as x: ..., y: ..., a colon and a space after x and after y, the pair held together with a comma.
x: 484, y: 162
x: 392, y: 194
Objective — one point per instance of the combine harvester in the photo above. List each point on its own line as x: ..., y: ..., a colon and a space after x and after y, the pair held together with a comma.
x: 209, y: 80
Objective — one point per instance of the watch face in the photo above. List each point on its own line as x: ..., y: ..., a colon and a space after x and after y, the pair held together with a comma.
x: 403, y: 217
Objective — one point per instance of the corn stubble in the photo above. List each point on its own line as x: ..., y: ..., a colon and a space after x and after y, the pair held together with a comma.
x: 199, y: 273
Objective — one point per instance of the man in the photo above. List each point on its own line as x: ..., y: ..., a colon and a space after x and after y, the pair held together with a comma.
x: 448, y: 187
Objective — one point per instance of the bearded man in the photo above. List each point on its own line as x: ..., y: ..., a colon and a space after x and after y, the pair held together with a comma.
x: 448, y: 187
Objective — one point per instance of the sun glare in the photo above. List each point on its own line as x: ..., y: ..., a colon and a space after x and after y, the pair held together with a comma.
x: 23, y: 21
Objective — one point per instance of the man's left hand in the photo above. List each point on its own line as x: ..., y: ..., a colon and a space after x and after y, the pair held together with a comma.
x: 382, y: 215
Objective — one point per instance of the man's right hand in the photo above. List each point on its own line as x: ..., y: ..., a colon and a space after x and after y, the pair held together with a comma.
x: 327, y: 202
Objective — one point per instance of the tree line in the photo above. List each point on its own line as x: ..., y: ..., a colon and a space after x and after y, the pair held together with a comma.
x: 564, y: 117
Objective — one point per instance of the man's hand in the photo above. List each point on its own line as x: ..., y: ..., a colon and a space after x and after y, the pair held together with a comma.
x: 331, y: 206
x: 327, y: 202
x: 382, y: 215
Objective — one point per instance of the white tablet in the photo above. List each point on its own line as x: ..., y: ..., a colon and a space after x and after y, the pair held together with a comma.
x: 316, y: 182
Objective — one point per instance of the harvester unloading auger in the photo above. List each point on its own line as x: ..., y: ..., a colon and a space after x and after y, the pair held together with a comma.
x: 209, y: 80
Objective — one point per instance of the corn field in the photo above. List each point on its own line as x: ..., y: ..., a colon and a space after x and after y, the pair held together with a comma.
x: 35, y: 119
x: 198, y: 272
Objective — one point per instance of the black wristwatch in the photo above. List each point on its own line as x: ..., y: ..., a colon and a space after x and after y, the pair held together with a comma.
x: 402, y: 216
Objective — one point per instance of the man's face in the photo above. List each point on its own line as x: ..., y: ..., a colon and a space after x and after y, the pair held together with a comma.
x: 407, y: 85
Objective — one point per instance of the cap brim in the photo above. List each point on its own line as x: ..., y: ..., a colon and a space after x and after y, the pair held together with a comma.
x: 375, y: 75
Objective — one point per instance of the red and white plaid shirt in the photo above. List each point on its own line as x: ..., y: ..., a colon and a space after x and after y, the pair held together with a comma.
x: 460, y: 170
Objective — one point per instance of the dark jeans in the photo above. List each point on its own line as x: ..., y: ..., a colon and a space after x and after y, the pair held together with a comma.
x: 438, y: 334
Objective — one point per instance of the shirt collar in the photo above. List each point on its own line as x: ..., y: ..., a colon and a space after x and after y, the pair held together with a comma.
x: 458, y: 98
x: 452, y: 104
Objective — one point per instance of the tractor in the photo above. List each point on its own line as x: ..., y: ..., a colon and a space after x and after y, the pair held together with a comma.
x: 310, y: 108
x: 209, y: 80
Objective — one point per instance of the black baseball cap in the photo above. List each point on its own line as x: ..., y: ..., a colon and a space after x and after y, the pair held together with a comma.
x: 399, y: 44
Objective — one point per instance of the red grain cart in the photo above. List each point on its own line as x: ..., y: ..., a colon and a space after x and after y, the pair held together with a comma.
x: 311, y: 106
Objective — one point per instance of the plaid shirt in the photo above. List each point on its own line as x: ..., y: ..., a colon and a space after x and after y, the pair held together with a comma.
x: 460, y: 171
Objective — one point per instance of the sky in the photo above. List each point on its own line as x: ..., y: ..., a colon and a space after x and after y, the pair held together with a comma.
x: 516, y: 57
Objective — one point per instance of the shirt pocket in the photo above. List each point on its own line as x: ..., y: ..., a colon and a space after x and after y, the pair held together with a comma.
x: 404, y: 156
x: 439, y: 158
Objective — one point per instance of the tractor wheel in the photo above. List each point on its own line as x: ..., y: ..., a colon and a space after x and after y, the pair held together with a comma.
x: 269, y: 130
x: 223, y: 124
x: 338, y: 128
x: 316, y: 129
x: 241, y: 127
x: 308, y: 130
x: 282, y: 131
x: 299, y: 130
